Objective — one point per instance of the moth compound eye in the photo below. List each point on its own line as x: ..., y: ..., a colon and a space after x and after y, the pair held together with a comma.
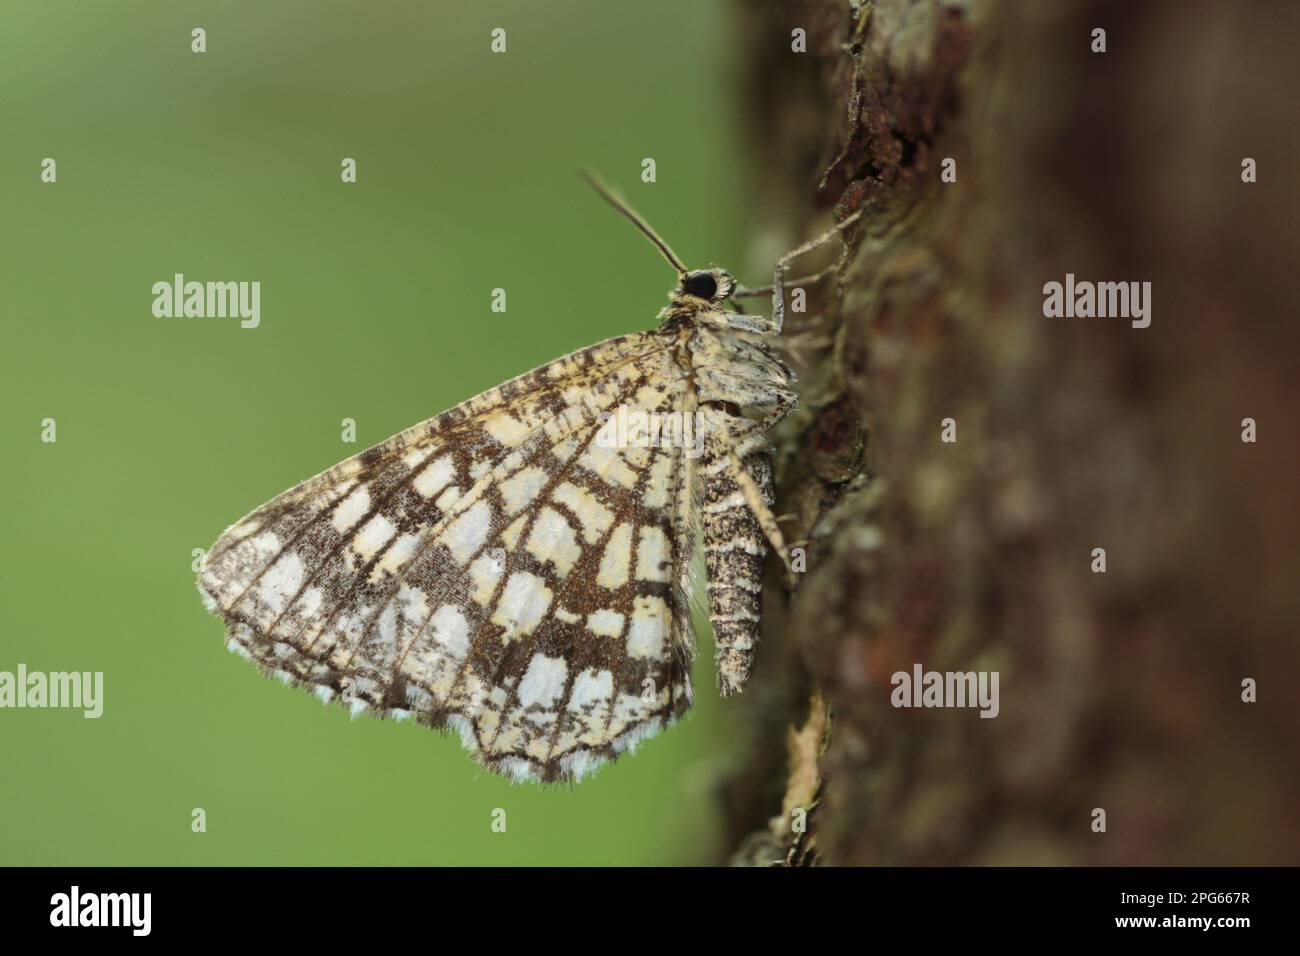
x: 701, y: 284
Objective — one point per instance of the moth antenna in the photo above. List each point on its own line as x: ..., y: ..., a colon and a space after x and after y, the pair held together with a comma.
x: 617, y: 202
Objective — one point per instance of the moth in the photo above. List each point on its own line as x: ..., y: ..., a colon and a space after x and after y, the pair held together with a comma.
x: 518, y: 568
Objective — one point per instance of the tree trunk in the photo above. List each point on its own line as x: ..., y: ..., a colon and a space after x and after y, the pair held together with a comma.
x: 1120, y: 690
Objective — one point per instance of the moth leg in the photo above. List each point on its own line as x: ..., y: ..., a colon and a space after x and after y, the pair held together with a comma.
x: 755, y: 501
x: 777, y: 288
x: 746, y: 322
x: 778, y: 275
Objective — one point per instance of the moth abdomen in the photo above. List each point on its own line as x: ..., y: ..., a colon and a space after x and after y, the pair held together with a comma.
x: 734, y: 549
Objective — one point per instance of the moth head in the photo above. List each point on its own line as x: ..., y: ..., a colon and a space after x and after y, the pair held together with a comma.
x: 710, y: 285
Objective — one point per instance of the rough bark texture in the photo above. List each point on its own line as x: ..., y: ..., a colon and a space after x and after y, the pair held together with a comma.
x: 1119, y: 690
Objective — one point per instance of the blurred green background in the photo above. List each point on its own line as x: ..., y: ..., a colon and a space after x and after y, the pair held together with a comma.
x: 375, y: 306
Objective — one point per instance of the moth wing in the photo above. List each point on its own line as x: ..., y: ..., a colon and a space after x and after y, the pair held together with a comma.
x: 367, y: 580
x: 578, y: 641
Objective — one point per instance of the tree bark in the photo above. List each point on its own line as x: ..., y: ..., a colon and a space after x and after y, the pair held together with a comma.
x: 1120, y: 690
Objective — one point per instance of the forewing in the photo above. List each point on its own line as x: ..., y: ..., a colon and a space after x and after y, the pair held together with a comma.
x: 579, y: 645
x: 453, y: 570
